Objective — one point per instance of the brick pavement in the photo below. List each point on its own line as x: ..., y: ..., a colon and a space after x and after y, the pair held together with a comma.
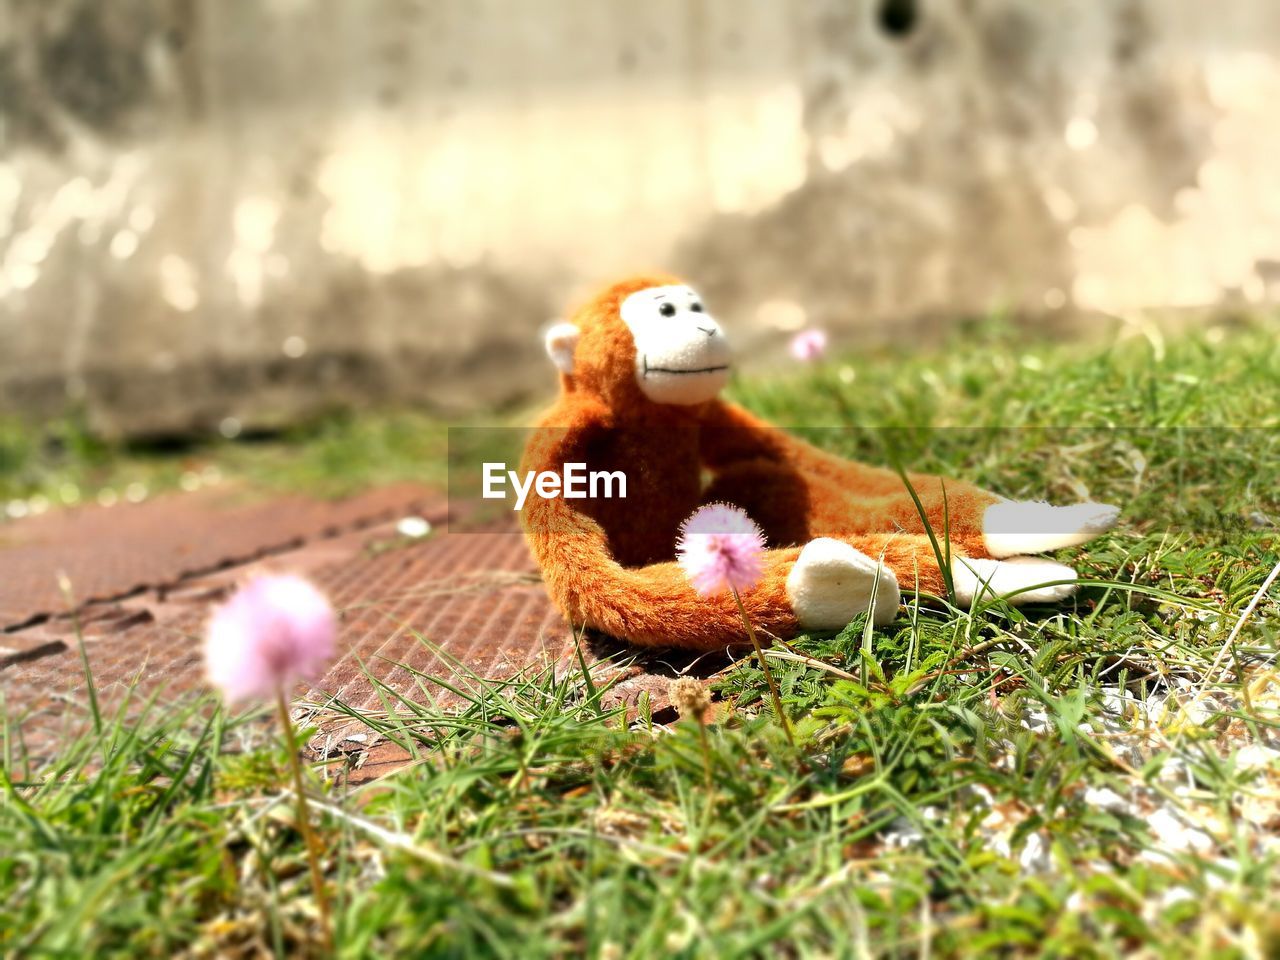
x: 144, y: 578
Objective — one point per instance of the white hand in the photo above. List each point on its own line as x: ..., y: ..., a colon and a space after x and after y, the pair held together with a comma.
x: 1017, y: 527
x: 831, y: 583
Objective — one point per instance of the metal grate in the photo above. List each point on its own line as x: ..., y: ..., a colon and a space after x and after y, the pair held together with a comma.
x: 408, y: 608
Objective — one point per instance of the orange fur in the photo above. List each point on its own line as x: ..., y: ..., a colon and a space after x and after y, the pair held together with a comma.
x: 609, y: 563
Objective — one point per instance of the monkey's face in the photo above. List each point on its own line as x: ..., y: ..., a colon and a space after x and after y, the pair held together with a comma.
x: 682, y: 355
x: 645, y: 334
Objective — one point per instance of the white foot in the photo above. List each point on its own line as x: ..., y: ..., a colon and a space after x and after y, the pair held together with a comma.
x: 1015, y: 527
x: 1019, y: 580
x: 831, y: 583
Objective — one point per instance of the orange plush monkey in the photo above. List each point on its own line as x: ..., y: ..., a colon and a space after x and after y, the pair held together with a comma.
x: 641, y: 366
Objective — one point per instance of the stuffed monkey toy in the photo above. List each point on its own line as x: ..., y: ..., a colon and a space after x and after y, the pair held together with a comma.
x: 641, y: 366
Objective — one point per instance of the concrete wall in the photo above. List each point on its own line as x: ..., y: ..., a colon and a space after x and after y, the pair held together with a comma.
x: 250, y: 209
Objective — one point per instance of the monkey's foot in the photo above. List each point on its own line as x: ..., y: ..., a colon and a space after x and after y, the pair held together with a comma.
x: 831, y: 583
x: 1020, y: 580
x: 1016, y: 527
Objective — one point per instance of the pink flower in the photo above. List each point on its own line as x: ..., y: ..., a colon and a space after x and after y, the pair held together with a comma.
x: 809, y: 344
x: 721, y: 548
x: 275, y: 631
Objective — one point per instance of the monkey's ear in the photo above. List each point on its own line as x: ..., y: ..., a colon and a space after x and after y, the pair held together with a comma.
x: 560, y: 341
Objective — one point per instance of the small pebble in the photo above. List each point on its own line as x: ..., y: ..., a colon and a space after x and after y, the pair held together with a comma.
x: 413, y: 527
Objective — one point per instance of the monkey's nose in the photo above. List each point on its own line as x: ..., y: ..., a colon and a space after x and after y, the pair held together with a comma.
x: 709, y: 333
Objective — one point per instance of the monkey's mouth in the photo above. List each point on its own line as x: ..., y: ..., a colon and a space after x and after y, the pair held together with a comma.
x: 648, y: 369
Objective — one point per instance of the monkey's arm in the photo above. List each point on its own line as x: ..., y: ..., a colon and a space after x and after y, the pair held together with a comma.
x: 844, y: 497
x: 731, y: 435
x: 652, y: 605
x: 841, y: 496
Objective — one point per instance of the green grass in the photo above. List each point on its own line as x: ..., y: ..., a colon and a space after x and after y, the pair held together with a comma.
x: 949, y: 794
x: 60, y: 463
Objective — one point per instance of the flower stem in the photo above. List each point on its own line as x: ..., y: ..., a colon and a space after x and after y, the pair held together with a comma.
x: 706, y: 755
x: 836, y: 391
x: 764, y: 666
x: 304, y: 824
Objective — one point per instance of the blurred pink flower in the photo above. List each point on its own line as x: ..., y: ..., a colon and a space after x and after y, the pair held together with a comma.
x: 721, y: 548
x: 809, y: 344
x: 275, y: 631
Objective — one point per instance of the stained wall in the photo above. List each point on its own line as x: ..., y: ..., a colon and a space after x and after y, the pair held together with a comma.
x: 221, y: 212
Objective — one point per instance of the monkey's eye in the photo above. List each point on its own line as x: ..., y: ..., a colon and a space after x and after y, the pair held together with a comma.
x: 696, y: 307
x: 667, y: 309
